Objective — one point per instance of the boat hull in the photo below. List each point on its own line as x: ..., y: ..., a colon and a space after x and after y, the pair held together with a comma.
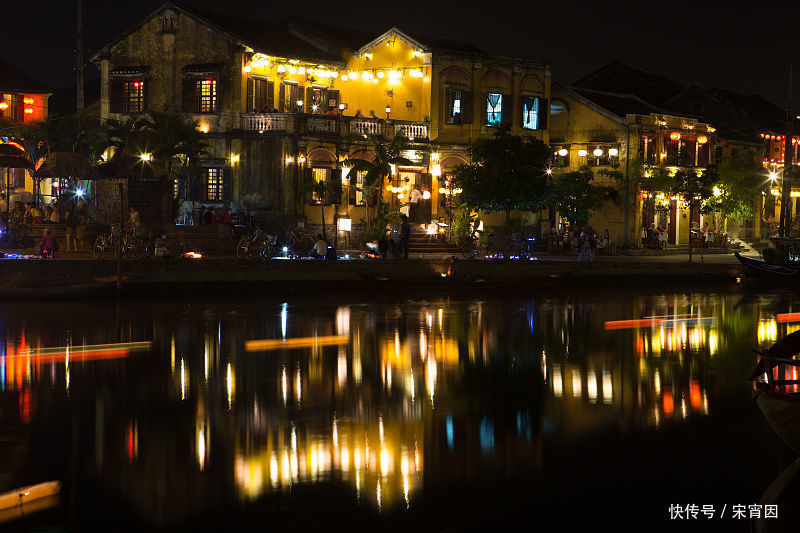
x: 762, y: 269
x: 782, y: 411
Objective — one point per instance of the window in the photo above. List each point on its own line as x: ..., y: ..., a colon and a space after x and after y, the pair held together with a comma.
x: 494, y: 109
x: 214, y: 185
x: 260, y: 95
x: 453, y: 102
x: 359, y: 183
x: 319, y: 175
x: 133, y: 96
x: 530, y: 113
x: 208, y: 96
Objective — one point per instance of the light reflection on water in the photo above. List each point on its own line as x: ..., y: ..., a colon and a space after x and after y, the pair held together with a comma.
x: 423, y: 396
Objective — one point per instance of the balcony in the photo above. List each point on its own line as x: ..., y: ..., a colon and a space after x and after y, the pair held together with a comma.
x: 332, y: 125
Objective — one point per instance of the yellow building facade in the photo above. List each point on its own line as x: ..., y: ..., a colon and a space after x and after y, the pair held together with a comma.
x: 288, y: 105
x: 608, y: 132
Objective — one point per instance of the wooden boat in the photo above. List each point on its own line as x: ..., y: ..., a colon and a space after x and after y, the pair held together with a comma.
x: 762, y: 269
x: 778, y: 395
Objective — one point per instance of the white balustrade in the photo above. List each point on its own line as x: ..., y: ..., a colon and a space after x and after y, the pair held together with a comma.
x: 362, y: 126
x: 323, y: 124
x: 262, y: 122
x: 412, y: 130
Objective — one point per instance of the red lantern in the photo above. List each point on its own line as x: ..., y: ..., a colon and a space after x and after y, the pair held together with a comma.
x: 702, y: 139
x: 675, y: 136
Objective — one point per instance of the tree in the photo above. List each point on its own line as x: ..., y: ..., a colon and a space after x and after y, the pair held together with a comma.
x: 575, y: 195
x: 695, y: 189
x: 375, y: 172
x: 741, y: 180
x: 507, y: 172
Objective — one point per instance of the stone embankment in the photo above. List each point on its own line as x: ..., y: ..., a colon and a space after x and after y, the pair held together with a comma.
x: 65, y: 277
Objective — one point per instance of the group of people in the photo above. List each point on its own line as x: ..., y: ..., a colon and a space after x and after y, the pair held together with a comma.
x: 394, y: 244
x: 656, y: 236
x: 585, y: 241
x: 75, y: 218
x: 211, y: 215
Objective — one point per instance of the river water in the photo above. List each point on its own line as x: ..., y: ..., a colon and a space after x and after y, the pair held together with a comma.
x: 382, y: 413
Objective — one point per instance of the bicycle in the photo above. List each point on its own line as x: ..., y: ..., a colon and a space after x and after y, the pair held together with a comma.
x: 472, y: 248
x: 299, y: 242
x: 256, y: 243
x: 519, y: 247
x: 133, y: 246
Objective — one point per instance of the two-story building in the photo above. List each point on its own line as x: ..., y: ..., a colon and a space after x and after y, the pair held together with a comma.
x: 603, y: 130
x: 23, y: 100
x: 283, y: 105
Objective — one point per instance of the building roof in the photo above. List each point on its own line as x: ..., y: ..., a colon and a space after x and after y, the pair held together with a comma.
x: 15, y: 80
x: 263, y: 36
x: 617, y: 104
x: 617, y: 77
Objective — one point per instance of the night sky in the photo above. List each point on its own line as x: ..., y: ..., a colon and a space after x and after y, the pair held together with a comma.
x: 714, y: 45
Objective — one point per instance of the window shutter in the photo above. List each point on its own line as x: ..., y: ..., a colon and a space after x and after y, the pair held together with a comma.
x: 227, y: 184
x: 308, y: 99
x: 336, y: 178
x: 308, y: 181
x: 352, y: 183
x: 333, y: 100
x: 251, y: 105
x: 116, y: 96
x: 189, y: 95
x: 507, y: 110
x: 543, y: 112
x: 145, y: 95
x: 466, y: 107
x: 282, y: 99
x: 271, y: 95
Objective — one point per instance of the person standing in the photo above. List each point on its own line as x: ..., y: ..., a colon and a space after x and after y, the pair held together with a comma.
x: 415, y: 196
x: 405, y: 232
x: 72, y: 221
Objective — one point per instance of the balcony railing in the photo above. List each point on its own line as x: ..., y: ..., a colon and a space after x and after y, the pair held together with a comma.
x: 322, y: 124
x: 412, y: 130
x: 333, y: 125
x: 262, y: 122
x: 366, y: 126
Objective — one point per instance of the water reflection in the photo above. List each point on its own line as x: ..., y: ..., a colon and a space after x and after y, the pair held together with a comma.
x: 233, y: 404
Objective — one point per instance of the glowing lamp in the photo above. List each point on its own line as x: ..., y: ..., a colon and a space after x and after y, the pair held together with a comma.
x: 345, y: 78
x: 582, y: 153
x: 597, y: 152
x: 146, y: 157
x: 426, y: 195
x: 675, y: 136
x: 436, y: 169
x: 292, y: 70
x: 247, y: 68
x: 613, y: 152
x: 289, y: 159
x: 281, y: 69
x: 702, y: 139
x: 3, y: 105
x: 563, y: 152
x: 30, y: 100
x: 79, y: 193
x: 388, y: 109
x: 344, y: 224
x: 299, y: 103
x: 341, y: 107
x: 28, y: 110
x: 380, y: 74
x: 301, y: 159
x: 234, y: 159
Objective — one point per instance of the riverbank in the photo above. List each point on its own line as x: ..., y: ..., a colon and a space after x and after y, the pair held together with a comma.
x: 70, y: 277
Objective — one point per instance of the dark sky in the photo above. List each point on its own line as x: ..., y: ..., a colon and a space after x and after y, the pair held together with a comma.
x: 716, y: 45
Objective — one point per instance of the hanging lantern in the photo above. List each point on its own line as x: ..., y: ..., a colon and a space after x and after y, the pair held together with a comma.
x: 613, y: 152
x: 675, y: 136
x: 702, y: 139
x: 563, y: 152
x: 582, y: 153
x: 598, y: 152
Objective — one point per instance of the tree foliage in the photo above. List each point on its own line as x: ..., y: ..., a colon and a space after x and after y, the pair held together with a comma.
x: 576, y: 196
x: 741, y: 181
x: 507, y: 172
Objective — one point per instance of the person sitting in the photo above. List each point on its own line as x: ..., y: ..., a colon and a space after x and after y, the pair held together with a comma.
x: 161, y: 249
x: 27, y: 218
x: 48, y: 245
x: 332, y: 112
x: 320, y: 249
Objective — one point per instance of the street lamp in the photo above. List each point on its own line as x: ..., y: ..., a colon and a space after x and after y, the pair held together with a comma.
x: 388, y: 110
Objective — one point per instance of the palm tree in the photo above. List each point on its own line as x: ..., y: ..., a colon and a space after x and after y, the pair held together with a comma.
x: 376, y: 171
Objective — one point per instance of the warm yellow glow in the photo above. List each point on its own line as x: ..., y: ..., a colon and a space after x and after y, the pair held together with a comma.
x: 582, y: 153
x: 299, y: 342
x: 234, y: 159
x: 3, y: 105
x: 247, y: 68
x: 146, y: 157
